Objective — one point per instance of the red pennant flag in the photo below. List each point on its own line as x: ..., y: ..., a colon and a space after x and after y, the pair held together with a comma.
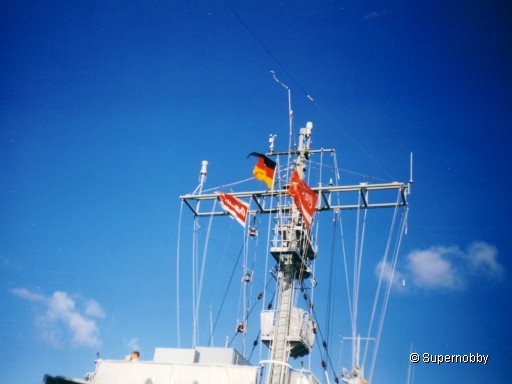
x: 304, y: 197
x: 235, y: 207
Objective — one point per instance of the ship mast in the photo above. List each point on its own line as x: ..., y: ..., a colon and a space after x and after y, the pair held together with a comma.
x: 290, y: 331
x: 290, y: 257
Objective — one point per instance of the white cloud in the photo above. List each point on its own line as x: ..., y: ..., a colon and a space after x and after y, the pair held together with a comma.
x: 484, y: 260
x: 85, y: 332
x: 24, y: 293
x: 448, y: 267
x: 387, y: 274
x: 434, y: 268
x: 61, y: 320
x: 93, y: 309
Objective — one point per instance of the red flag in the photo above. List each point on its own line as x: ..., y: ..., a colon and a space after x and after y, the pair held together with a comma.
x: 304, y: 197
x: 235, y: 207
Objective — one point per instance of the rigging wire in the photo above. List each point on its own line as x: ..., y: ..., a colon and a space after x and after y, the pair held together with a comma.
x: 388, y: 290
x: 362, y: 175
x: 328, y: 314
x: 338, y: 218
x: 361, y: 255
x: 256, y: 225
x: 355, y: 279
x: 228, y: 185
x: 260, y: 296
x: 243, y: 299
x: 225, y: 294
x: 254, y: 345
x: 344, y: 252
x: 178, y: 325
x: 354, y: 142
x: 194, y: 269
x: 324, y: 342
x: 201, y: 277
x: 248, y: 276
x: 260, y: 42
x: 381, y: 277
x: 224, y: 252
x: 313, y: 269
x: 309, y: 233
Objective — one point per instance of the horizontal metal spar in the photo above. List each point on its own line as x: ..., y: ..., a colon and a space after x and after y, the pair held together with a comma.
x: 297, y: 152
x: 330, y: 188
x: 286, y: 209
x: 328, y: 193
x: 363, y: 190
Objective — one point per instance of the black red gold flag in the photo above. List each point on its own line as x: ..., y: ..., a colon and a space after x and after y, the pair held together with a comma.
x: 264, y: 169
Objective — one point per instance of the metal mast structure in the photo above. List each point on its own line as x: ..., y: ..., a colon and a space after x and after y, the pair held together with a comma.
x: 292, y: 330
x: 293, y: 246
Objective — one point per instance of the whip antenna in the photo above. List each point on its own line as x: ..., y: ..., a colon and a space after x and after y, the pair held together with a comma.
x: 290, y: 110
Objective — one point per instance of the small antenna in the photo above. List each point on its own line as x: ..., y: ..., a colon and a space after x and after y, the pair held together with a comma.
x: 202, y: 177
x: 290, y: 110
x: 410, y: 173
x: 278, y: 81
x: 204, y: 167
x: 271, y: 141
x: 410, y: 178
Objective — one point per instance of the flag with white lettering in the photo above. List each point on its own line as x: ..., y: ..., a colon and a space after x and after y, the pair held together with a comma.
x: 237, y: 208
x: 304, y: 197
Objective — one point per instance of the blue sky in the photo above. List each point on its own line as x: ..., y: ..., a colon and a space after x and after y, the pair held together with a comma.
x: 107, y: 110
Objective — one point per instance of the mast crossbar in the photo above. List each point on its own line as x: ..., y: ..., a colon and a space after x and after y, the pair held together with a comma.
x: 297, y: 152
x: 381, y: 198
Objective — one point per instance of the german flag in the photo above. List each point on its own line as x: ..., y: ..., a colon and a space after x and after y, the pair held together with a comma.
x: 264, y: 169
